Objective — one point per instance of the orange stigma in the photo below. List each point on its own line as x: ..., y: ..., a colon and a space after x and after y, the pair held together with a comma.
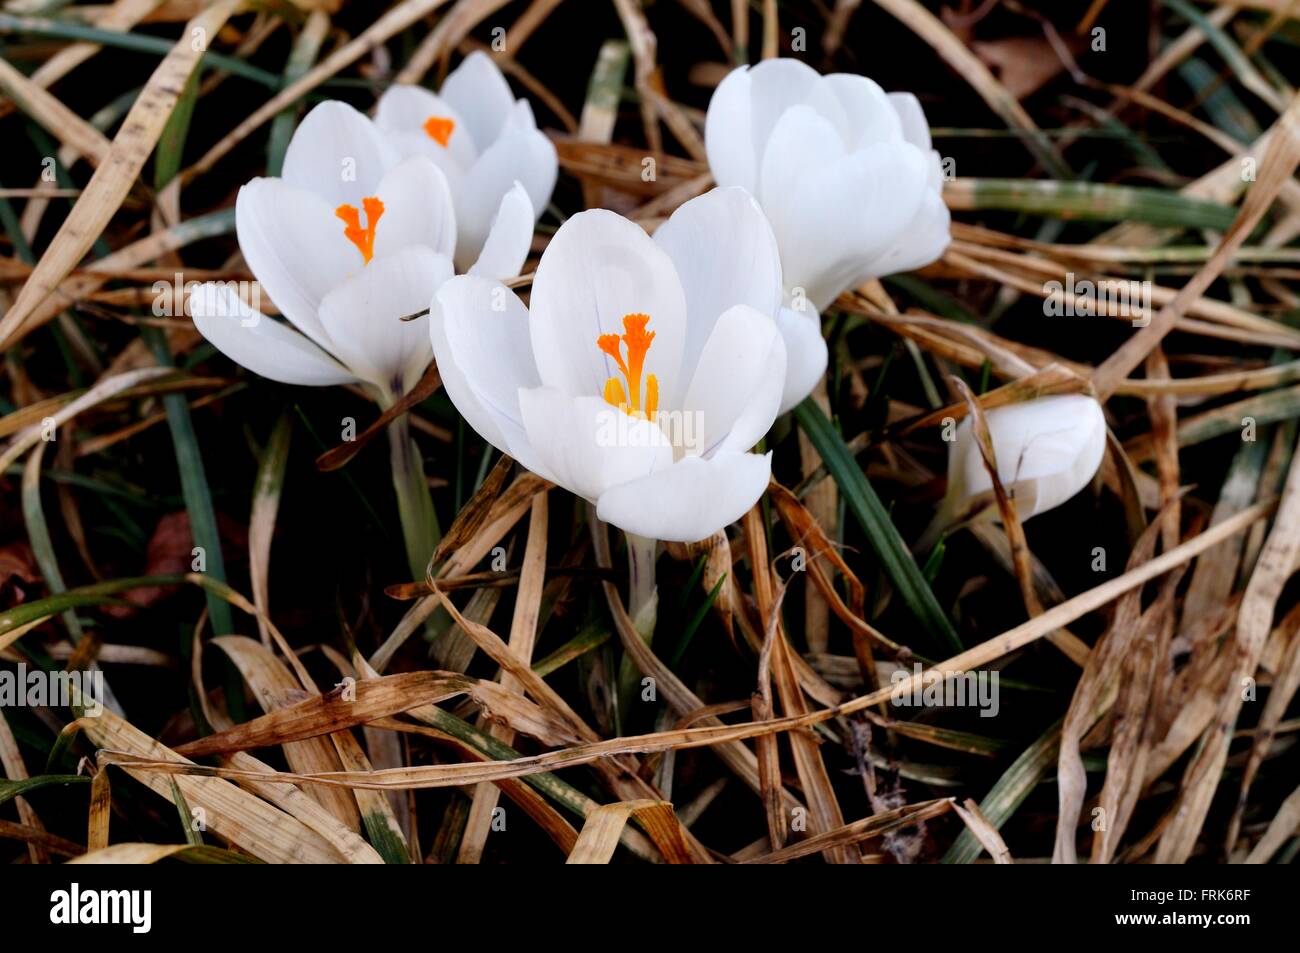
x: 363, y: 238
x: 439, y: 129
x: 638, y: 340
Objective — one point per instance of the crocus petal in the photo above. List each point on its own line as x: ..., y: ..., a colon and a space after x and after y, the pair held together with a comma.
x: 737, y: 386
x: 923, y: 242
x: 417, y: 209
x: 259, y: 343
x: 847, y: 215
x: 518, y: 155
x: 412, y: 143
x: 478, y: 91
x: 294, y: 245
x: 915, y: 127
x: 542, y: 163
x: 509, y: 239
x: 869, y: 116
x: 363, y: 317
x: 1047, y: 450
x: 691, y: 500
x: 844, y: 172
x: 805, y: 351
x: 587, y: 445
x: 728, y: 139
x: 479, y: 330
x: 801, y: 144
x: 756, y: 416
x: 725, y: 255
x: 338, y: 154
x: 776, y: 85
x: 598, y: 268
x: 404, y: 109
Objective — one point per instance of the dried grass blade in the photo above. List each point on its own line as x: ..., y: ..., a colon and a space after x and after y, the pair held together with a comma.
x: 1093, y: 695
x: 343, y: 707
x: 1008, y: 793
x: 971, y: 68
x: 100, y: 813
x: 736, y: 756
x: 822, y: 804
x: 394, y: 21
x: 11, y: 760
x: 504, y: 513
x: 523, y: 638
x: 261, y: 523
x: 1281, y: 829
x: 716, y: 735
x: 295, y: 802
x: 70, y: 129
x: 1276, y: 167
x: 1285, y: 683
x: 272, y: 685
x: 983, y: 831
x: 376, y: 812
x: 339, y: 456
x: 473, y: 515
x: 1276, y: 563
x: 109, y: 185
x: 104, y: 389
x: 850, y: 834
x: 138, y: 853
x: 454, y: 26
x: 236, y: 815
x: 600, y: 835
x: 121, y: 15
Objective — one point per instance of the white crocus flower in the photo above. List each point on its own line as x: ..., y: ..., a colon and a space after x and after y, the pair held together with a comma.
x: 845, y: 174
x: 482, y: 138
x: 1047, y: 450
x: 347, y: 241
x: 643, y: 371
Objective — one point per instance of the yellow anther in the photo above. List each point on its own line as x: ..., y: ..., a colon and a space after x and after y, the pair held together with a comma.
x: 651, y: 396
x: 614, y: 392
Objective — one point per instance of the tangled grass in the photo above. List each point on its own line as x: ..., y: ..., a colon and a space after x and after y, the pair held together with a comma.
x: 207, y: 541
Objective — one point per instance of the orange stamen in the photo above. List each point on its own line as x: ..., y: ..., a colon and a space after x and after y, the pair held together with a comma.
x: 363, y: 238
x: 439, y: 129
x: 637, y: 340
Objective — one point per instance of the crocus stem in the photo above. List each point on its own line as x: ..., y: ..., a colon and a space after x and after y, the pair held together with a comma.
x: 414, y: 505
x: 643, y: 607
